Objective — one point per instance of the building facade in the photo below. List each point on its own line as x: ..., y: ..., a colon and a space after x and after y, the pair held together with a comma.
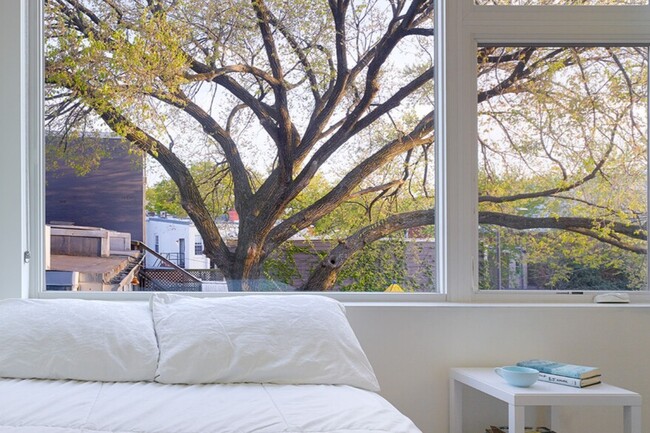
x: 177, y: 240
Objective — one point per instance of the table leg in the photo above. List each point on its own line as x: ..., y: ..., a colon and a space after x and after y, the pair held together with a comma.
x: 632, y: 419
x: 555, y: 418
x: 455, y: 406
x: 516, y: 418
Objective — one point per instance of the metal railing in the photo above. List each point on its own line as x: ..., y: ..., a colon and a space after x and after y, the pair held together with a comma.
x: 207, y: 274
x: 168, y: 277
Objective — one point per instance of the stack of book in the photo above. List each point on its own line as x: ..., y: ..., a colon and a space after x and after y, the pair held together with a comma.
x: 577, y: 376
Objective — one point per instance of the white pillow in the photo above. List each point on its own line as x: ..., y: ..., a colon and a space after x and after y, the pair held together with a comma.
x: 77, y: 339
x: 301, y: 339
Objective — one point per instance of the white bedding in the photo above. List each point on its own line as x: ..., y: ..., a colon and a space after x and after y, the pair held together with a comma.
x: 47, y: 406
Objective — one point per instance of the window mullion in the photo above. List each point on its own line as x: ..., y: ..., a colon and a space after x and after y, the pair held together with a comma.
x: 647, y: 223
x: 36, y: 178
x: 460, y: 160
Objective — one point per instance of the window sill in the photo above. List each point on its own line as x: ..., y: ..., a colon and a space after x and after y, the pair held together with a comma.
x: 427, y: 300
x: 345, y: 297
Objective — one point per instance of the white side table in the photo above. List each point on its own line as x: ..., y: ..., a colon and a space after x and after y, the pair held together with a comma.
x: 539, y: 394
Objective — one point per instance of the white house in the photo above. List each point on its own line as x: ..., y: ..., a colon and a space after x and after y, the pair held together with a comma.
x: 176, y: 239
x: 179, y: 241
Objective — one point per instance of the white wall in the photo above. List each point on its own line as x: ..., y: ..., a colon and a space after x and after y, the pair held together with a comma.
x: 412, y: 349
x: 12, y: 166
x: 168, y: 234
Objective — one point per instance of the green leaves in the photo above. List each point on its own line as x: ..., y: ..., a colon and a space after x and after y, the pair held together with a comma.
x: 214, y: 183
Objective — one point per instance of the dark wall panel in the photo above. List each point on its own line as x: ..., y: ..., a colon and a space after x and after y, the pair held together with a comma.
x: 110, y: 196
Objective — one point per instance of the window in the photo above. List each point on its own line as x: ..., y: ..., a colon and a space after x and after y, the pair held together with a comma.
x: 538, y: 96
x: 180, y: 255
x: 302, y: 158
x: 562, y: 167
x: 460, y: 170
x: 198, y: 248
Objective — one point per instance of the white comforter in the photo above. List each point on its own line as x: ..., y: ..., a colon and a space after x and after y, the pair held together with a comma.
x: 44, y: 406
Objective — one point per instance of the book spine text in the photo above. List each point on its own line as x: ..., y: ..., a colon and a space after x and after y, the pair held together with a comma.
x: 552, y: 378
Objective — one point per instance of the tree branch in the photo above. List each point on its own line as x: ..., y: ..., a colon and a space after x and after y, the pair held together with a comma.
x: 551, y: 191
x: 563, y: 223
x: 241, y: 181
x: 286, y: 141
x: 348, y: 130
x: 211, y: 75
x: 383, y: 187
x: 302, y: 56
x: 324, y: 276
x: 396, y: 31
x: 350, y: 181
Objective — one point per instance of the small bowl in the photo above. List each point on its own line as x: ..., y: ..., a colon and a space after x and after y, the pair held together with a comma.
x: 518, y: 376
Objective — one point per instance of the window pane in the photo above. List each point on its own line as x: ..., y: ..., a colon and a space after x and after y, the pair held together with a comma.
x: 304, y: 161
x: 563, y: 167
x: 561, y: 2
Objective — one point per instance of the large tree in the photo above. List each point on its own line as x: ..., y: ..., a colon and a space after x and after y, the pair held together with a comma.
x: 307, y: 78
x: 300, y: 91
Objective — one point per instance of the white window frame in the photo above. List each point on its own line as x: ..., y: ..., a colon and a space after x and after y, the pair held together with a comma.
x: 460, y: 27
x: 36, y: 193
x: 14, y: 133
x: 469, y: 26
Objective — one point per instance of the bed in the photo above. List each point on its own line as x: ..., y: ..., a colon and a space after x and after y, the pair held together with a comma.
x: 47, y: 406
x: 279, y: 364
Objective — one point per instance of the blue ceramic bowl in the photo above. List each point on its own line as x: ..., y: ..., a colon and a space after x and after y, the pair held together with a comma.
x: 518, y: 376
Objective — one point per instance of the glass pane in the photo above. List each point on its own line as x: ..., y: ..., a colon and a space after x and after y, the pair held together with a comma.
x: 560, y: 2
x: 212, y: 146
x: 563, y: 167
